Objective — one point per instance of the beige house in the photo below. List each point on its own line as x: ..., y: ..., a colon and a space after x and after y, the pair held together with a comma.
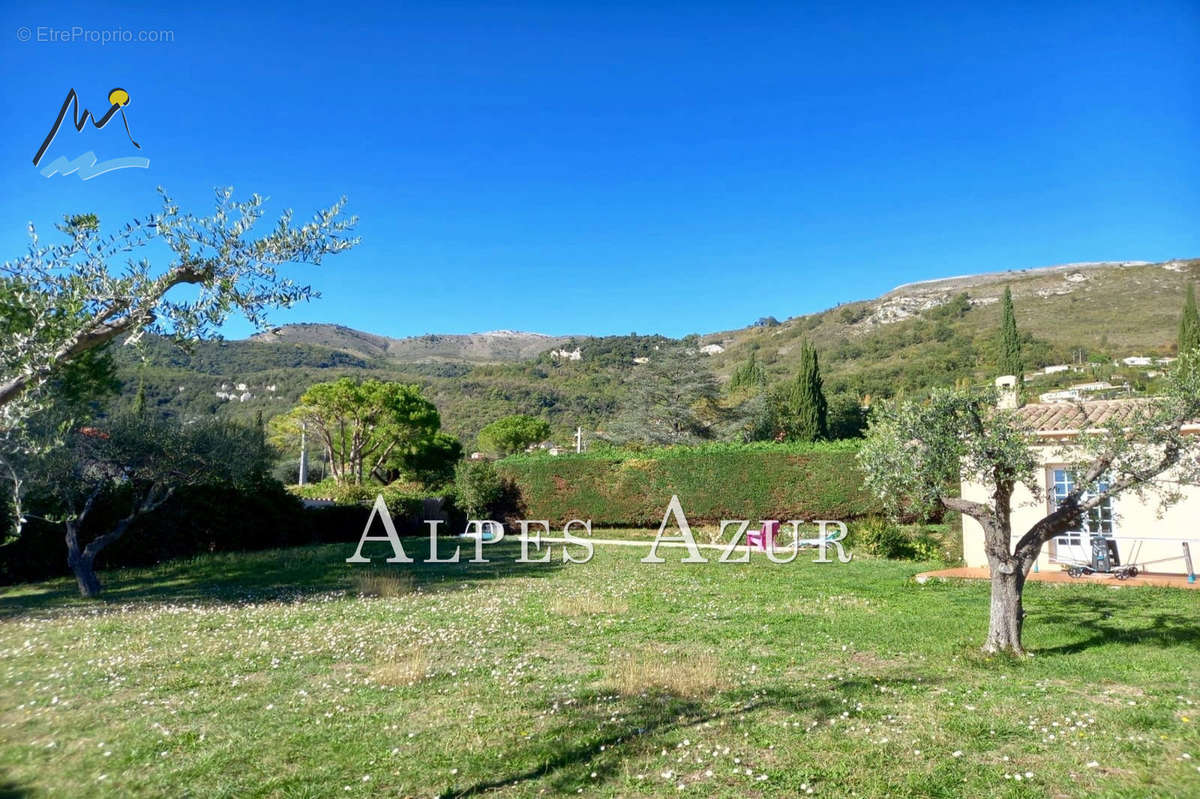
x: 1143, y: 537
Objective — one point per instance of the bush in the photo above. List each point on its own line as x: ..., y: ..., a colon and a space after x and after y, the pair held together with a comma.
x: 202, y: 519
x: 882, y: 538
x: 926, y: 546
x: 478, y: 488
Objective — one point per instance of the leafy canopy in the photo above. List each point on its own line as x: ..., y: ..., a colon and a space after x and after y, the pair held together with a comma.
x: 362, y: 425
x: 91, y: 289
x: 513, y: 434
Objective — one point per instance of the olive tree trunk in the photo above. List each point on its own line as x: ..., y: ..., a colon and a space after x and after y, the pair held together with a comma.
x: 1006, y: 614
x: 83, y: 560
x: 85, y: 575
x: 1009, y: 568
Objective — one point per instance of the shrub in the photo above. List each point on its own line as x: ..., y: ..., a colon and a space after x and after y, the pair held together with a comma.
x: 883, y: 538
x: 927, y: 546
x: 478, y: 488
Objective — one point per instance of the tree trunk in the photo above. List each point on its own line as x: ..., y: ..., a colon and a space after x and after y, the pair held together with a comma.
x: 85, y: 576
x: 82, y: 562
x: 1007, y: 615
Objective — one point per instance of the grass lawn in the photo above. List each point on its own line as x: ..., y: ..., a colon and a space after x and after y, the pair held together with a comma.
x: 272, y: 674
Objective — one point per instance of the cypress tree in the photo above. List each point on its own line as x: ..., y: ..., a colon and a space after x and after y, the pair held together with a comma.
x: 139, y: 400
x: 749, y: 375
x: 1010, y: 339
x: 810, y: 413
x: 1189, y: 324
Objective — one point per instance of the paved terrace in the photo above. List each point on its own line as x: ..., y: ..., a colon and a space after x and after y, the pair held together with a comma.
x: 1143, y: 578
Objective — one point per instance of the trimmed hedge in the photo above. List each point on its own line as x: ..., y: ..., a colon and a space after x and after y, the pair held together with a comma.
x: 713, y: 482
x: 401, y: 500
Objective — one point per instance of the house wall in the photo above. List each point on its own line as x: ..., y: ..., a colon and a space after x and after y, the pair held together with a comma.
x: 1133, y: 518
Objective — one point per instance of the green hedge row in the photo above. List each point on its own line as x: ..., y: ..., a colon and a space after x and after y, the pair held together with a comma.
x: 713, y: 482
x: 401, y: 501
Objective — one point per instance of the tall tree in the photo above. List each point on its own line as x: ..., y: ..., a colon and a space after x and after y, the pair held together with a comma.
x: 362, y: 426
x: 430, y: 461
x: 139, y: 400
x: 1010, y: 339
x: 672, y: 400
x: 802, y: 410
x: 917, y: 455
x: 749, y: 376
x: 1189, y: 323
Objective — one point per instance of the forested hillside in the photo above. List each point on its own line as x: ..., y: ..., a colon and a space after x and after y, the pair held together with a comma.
x: 915, y: 336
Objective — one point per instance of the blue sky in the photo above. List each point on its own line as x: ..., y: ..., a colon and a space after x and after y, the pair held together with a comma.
x: 613, y: 167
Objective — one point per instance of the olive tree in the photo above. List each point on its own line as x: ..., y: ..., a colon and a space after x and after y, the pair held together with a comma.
x: 136, y: 463
x: 918, y: 453
x: 68, y: 398
x: 91, y: 289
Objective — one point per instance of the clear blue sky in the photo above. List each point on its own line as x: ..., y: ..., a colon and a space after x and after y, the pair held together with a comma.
x: 634, y: 166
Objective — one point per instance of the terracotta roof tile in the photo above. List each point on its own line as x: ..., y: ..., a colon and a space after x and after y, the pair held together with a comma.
x: 1075, y: 416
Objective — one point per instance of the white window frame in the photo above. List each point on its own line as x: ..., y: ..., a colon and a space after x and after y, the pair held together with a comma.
x: 1093, y: 523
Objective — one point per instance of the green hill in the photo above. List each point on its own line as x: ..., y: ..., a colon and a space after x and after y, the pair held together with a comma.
x: 913, y: 337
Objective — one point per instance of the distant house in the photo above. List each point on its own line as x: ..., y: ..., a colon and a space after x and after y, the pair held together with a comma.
x: 1137, y: 360
x: 1060, y: 367
x: 1065, y: 395
x: 1080, y: 391
x: 1141, y: 536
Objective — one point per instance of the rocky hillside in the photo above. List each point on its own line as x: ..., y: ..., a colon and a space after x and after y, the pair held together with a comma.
x: 497, y: 346
x: 918, y: 331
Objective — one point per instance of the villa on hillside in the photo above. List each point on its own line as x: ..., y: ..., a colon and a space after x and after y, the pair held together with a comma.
x: 1142, y: 537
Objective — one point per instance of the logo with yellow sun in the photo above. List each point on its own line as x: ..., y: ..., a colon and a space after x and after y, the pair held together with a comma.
x: 87, y: 164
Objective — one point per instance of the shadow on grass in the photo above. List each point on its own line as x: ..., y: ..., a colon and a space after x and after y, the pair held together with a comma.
x: 11, y: 790
x: 1118, y: 620
x: 287, y: 575
x: 601, y: 732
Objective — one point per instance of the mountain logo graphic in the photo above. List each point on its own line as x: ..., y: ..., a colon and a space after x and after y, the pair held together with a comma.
x: 87, y: 165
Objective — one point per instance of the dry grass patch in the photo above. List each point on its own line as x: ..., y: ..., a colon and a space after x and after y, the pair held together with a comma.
x: 588, y: 604
x: 692, y: 675
x: 409, y: 669
x: 387, y: 585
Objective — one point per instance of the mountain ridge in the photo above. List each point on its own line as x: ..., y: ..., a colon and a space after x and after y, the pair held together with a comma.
x: 913, y: 337
x: 490, y: 346
x: 529, y: 344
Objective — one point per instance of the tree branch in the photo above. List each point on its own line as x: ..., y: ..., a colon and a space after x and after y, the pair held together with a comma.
x: 978, y: 511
